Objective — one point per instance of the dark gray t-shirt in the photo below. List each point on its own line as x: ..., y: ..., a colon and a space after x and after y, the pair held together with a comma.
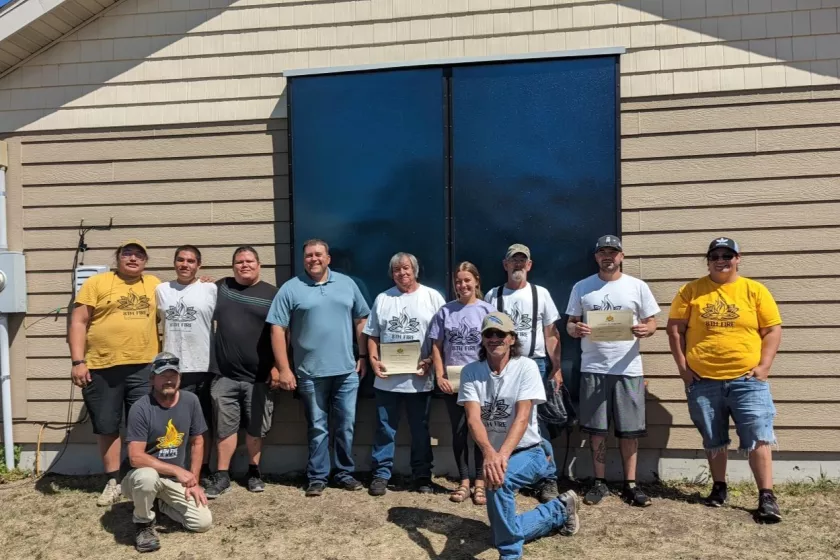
x: 166, y: 431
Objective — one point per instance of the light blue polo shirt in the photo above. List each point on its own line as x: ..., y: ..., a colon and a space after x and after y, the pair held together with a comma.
x: 321, y: 319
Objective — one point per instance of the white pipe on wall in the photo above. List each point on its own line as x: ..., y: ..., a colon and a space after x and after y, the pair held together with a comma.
x: 5, y: 372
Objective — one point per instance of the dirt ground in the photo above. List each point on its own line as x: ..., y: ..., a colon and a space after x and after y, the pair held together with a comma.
x: 57, y: 518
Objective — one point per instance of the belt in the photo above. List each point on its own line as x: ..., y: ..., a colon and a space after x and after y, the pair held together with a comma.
x: 526, y: 448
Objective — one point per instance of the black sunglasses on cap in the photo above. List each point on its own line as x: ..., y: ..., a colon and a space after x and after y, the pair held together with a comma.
x: 494, y: 333
x: 167, y: 362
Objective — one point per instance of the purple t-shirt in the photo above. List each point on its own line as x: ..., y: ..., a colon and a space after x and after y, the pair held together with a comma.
x: 459, y: 326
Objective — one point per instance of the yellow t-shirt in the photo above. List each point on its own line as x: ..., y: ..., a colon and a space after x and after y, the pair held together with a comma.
x: 722, y: 337
x: 123, y: 328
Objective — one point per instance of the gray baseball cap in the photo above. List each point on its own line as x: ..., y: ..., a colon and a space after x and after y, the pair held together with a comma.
x: 518, y: 248
x: 166, y: 361
x: 609, y: 242
x: 724, y: 243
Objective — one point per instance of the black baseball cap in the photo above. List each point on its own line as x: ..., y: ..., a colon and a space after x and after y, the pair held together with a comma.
x: 724, y: 243
x: 608, y: 241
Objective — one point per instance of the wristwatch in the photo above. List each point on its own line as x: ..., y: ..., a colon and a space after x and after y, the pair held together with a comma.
x: 78, y: 362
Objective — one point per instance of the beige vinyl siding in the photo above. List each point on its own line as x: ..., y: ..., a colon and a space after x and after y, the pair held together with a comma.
x: 761, y: 168
x: 217, y: 187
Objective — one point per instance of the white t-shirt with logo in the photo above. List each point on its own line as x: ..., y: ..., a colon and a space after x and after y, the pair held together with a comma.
x: 594, y: 294
x: 186, y: 313
x: 518, y: 304
x: 400, y: 317
x: 498, y: 394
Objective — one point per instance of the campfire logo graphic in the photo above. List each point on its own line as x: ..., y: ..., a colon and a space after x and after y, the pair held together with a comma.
x: 133, y: 302
x: 464, y: 334
x: 720, y: 311
x: 180, y: 312
x: 521, y: 321
x: 169, y: 442
x: 606, y: 305
x: 497, y: 409
x: 403, y: 324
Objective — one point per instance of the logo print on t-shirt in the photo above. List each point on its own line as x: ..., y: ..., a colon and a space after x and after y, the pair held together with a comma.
x: 521, y: 321
x: 403, y: 324
x: 134, y: 306
x: 720, y: 311
x: 497, y: 409
x: 606, y: 305
x: 180, y: 312
x: 169, y: 442
x: 464, y: 334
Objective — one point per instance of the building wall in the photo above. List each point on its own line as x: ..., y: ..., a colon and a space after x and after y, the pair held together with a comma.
x: 186, y: 61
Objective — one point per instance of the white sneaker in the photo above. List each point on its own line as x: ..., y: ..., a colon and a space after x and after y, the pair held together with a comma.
x: 111, y: 495
x: 572, y: 503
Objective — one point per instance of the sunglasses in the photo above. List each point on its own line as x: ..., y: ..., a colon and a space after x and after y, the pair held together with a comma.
x: 493, y: 333
x: 166, y: 362
x: 725, y: 257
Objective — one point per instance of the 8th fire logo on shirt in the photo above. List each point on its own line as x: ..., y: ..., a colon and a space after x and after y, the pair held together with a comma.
x: 720, y: 313
x: 180, y: 315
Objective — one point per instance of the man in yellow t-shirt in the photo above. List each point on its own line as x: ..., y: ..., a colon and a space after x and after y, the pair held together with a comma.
x: 113, y: 339
x: 724, y: 331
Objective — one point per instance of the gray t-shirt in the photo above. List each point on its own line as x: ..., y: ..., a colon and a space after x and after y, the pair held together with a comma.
x: 166, y: 431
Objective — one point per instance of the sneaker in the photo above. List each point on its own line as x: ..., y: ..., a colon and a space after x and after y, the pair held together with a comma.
x: 572, y: 503
x: 350, y: 484
x: 315, y: 489
x: 206, y: 479
x: 423, y: 486
x: 635, y: 496
x: 145, y: 537
x: 768, y: 509
x: 111, y: 494
x: 717, y: 497
x: 218, y: 486
x: 255, y: 484
x: 378, y: 487
x: 547, y: 491
x: 597, y: 492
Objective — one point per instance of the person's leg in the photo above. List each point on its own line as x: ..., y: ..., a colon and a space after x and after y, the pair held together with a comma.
x: 460, y: 434
x: 343, y: 412
x: 103, y: 397
x: 384, y: 439
x: 174, y: 504
x: 227, y: 411
x: 511, y: 531
x: 314, y: 392
x: 141, y: 486
x: 628, y: 394
x: 594, y: 421
x: 417, y: 406
x: 259, y: 410
x: 198, y: 383
x: 709, y: 412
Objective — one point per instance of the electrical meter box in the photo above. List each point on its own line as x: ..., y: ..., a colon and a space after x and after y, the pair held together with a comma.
x: 82, y: 273
x: 12, y: 282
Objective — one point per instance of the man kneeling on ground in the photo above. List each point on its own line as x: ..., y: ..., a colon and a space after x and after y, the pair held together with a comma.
x: 157, y: 451
x: 500, y: 394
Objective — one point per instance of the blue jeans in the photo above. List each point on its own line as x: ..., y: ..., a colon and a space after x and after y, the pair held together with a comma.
x: 512, y: 530
x: 746, y: 399
x: 330, y: 400
x: 542, y: 364
x: 388, y: 405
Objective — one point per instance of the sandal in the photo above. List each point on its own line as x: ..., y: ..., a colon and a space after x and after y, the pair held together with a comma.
x: 459, y: 494
x: 479, y: 497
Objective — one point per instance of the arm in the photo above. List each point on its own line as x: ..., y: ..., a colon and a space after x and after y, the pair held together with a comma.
x: 373, y: 355
x: 676, y: 340
x: 493, y: 475
x: 196, y: 457
x: 286, y: 379
x: 440, y: 370
x: 554, y: 352
x: 576, y: 328
x: 361, y: 363
x: 138, y: 458
x: 771, y: 338
x: 77, y: 339
x: 646, y: 328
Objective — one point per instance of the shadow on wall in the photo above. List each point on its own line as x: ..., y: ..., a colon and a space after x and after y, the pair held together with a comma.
x: 690, y: 19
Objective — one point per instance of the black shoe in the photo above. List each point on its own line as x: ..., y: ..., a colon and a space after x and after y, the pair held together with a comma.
x: 547, y: 491
x: 597, y: 492
x: 717, y: 497
x: 315, y: 489
x: 424, y: 486
x: 219, y: 485
x: 635, y: 497
x: 255, y: 484
x: 378, y: 487
x: 145, y: 537
x: 206, y: 479
x: 350, y: 484
x: 768, y: 509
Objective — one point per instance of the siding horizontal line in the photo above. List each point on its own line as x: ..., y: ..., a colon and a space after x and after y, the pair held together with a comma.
x: 150, y: 246
x: 153, y: 131
x: 671, y: 101
x: 740, y: 205
x: 150, y: 181
x: 726, y: 130
x: 762, y: 253
x: 736, y: 180
x: 156, y: 226
x: 710, y: 230
x: 174, y: 203
x: 152, y: 160
x: 155, y: 103
x: 728, y: 155
x: 35, y: 142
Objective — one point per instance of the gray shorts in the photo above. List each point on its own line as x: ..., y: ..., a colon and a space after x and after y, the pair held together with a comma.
x: 241, y: 403
x: 617, y: 397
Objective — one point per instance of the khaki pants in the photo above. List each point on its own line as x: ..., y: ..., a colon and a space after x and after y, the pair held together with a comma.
x: 142, y: 486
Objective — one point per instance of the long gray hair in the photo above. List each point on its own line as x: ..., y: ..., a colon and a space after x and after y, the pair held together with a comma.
x: 395, y: 260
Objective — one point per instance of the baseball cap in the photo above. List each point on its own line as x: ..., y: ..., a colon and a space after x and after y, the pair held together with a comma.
x: 724, y: 243
x: 518, y: 248
x: 166, y: 361
x: 137, y: 242
x: 498, y: 321
x: 608, y: 241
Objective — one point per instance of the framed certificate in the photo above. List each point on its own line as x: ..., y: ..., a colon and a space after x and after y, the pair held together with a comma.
x: 610, y: 326
x: 400, y: 358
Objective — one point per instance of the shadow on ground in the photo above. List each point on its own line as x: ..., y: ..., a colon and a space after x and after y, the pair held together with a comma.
x: 465, y: 538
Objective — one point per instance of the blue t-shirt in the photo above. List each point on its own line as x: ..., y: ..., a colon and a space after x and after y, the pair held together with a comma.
x: 320, y: 318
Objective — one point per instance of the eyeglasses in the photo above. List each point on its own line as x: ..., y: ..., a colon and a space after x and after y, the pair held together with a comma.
x: 167, y: 362
x: 493, y: 333
x: 725, y: 257
x: 127, y: 254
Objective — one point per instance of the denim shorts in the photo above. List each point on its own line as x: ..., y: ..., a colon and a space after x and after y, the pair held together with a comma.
x: 747, y: 400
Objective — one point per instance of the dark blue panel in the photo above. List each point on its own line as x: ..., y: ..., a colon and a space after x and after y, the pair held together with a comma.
x: 368, y: 171
x: 534, y: 152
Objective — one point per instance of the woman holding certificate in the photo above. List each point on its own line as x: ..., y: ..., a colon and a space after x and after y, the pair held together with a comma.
x: 456, y: 333
x: 724, y: 332
x: 398, y: 349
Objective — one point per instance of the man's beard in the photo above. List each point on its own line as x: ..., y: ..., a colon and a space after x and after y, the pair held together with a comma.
x: 518, y: 275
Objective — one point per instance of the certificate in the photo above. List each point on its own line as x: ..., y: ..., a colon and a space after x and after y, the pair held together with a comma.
x: 400, y: 357
x: 453, y: 374
x: 610, y: 326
